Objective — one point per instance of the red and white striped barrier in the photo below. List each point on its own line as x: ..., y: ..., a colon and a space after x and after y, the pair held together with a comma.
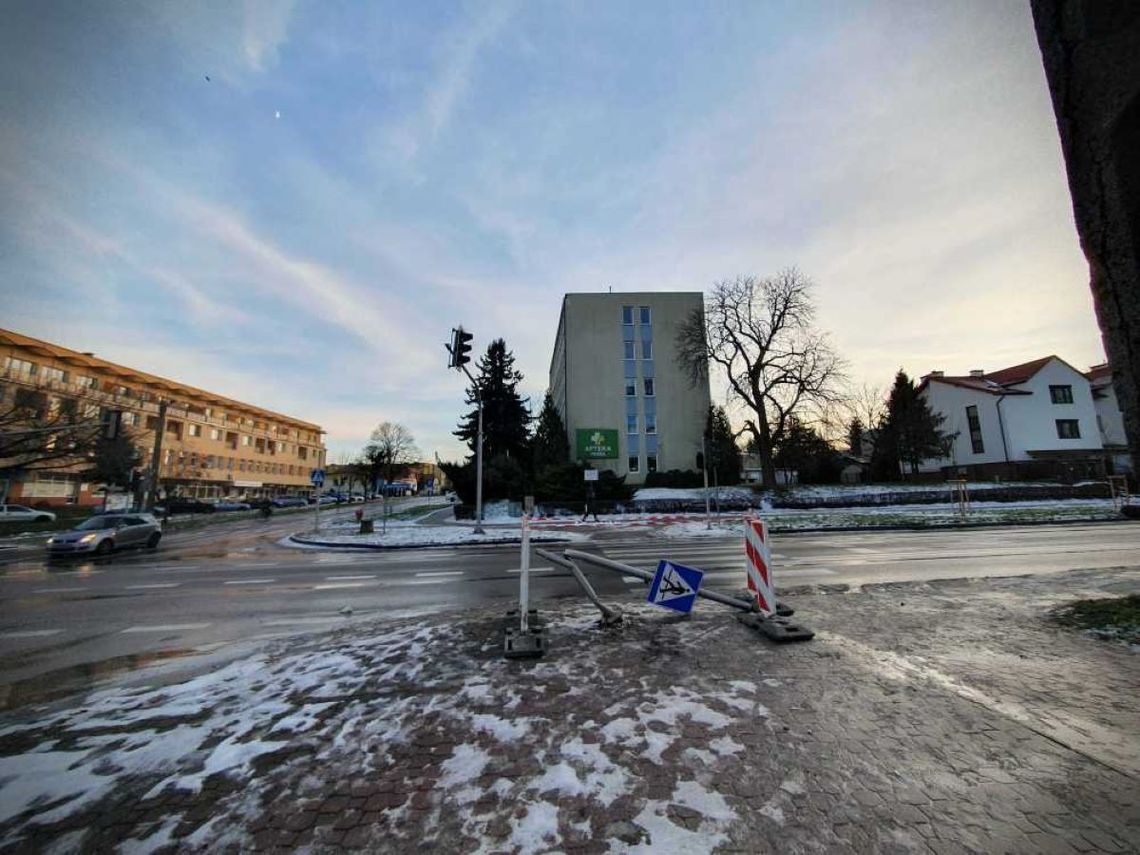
x: 759, y: 565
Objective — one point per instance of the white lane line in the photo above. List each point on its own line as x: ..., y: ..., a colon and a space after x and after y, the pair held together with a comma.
x: 299, y: 621
x: 154, y: 585
x: 249, y: 581
x: 336, y: 585
x: 777, y: 573
x: 541, y: 569
x: 349, y: 578
x: 439, y: 573
x: 57, y: 590
x: 422, y: 582
x: 169, y: 627
x: 30, y: 633
x: 259, y: 564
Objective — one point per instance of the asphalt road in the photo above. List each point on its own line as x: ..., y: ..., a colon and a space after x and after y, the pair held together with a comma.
x: 227, y: 588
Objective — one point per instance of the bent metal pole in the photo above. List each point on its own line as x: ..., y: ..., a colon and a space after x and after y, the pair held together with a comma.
x: 627, y: 570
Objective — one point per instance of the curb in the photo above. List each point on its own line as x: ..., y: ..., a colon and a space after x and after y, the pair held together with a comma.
x: 380, y: 547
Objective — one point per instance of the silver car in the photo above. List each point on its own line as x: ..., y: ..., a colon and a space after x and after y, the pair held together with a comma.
x: 105, y: 533
x: 22, y: 513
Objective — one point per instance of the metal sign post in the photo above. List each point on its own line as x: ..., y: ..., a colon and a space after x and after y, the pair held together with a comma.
x: 524, y: 575
x: 317, y: 478
x: 524, y: 639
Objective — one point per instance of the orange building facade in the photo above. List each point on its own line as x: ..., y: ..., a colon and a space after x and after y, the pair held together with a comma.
x: 213, y: 447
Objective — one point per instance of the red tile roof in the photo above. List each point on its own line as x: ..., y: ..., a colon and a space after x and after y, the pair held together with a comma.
x: 1098, y: 372
x: 1019, y: 373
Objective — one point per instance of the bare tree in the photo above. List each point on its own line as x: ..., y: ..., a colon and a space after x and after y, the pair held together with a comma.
x: 866, y: 404
x: 38, y: 433
x: 759, y: 333
x: 390, y: 450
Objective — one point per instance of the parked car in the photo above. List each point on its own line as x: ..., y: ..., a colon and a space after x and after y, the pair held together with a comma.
x: 185, y: 506
x: 22, y: 513
x: 327, y: 500
x: 104, y: 533
x: 289, y: 502
x: 356, y: 497
x: 227, y: 505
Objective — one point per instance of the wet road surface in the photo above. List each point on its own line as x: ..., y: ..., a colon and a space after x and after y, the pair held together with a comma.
x: 227, y: 587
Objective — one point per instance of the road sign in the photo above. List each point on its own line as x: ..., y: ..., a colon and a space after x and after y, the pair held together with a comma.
x: 317, y: 477
x: 675, y: 586
x: 590, y: 474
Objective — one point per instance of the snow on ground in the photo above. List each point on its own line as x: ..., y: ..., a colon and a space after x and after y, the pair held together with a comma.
x: 283, y: 726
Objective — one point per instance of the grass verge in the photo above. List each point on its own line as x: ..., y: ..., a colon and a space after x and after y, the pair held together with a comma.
x: 1110, y: 617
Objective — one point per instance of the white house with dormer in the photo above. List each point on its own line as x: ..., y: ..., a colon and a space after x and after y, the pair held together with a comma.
x: 1110, y: 421
x: 1035, y: 420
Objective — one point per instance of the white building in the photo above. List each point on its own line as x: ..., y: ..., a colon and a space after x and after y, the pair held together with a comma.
x: 626, y: 402
x: 1109, y: 419
x: 1036, y: 420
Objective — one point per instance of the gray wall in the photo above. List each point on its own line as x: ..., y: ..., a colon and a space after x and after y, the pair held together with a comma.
x: 587, y: 376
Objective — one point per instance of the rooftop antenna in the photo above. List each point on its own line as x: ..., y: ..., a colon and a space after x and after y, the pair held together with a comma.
x: 611, y: 289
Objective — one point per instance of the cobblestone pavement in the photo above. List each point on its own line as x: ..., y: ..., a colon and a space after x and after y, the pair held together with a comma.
x: 946, y: 717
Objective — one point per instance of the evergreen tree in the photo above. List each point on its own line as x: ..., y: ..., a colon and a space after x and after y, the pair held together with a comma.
x: 724, y: 456
x: 855, y: 437
x: 505, y: 417
x: 114, y: 460
x: 804, y: 451
x: 911, y: 433
x: 549, y: 446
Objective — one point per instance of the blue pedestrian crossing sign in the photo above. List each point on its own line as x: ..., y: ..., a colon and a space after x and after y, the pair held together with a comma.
x: 675, y: 586
x: 317, y: 477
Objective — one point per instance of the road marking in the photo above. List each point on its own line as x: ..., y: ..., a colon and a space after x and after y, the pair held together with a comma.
x: 170, y: 627
x: 335, y: 585
x: 153, y: 585
x: 249, y: 581
x: 260, y: 564
x: 56, y: 590
x: 349, y: 578
x: 303, y: 620
x: 541, y: 569
x: 440, y: 573
x: 30, y: 633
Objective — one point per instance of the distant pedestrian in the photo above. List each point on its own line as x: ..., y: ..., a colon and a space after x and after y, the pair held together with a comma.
x: 591, y: 505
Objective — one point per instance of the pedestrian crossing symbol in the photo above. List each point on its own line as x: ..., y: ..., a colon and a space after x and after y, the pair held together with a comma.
x: 675, y: 586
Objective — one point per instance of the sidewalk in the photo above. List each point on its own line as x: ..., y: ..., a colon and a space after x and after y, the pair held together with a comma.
x: 942, y: 717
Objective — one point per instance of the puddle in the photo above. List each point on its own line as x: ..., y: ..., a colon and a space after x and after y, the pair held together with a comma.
x: 76, y: 678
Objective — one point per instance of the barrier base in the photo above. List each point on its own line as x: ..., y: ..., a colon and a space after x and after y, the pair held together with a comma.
x: 778, y: 629
x: 523, y: 645
x: 784, y: 610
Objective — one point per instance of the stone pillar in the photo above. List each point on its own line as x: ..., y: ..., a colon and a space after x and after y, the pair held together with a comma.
x: 1091, y: 53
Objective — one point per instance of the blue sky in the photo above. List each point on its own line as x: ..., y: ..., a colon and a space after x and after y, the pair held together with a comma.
x: 302, y: 229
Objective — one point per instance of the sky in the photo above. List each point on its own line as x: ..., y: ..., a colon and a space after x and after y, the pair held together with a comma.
x: 292, y: 203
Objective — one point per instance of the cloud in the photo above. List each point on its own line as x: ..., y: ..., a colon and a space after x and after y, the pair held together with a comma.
x: 265, y: 29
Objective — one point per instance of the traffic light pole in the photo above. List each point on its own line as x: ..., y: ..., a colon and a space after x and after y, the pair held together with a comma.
x: 156, y: 456
x: 458, y: 349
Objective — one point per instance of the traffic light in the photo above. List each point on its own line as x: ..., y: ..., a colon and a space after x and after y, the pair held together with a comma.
x: 460, y: 348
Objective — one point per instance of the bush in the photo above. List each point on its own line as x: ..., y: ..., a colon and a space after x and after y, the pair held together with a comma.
x: 675, y: 478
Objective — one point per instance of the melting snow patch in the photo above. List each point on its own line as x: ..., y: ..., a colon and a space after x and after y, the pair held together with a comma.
x: 723, y: 745
x: 666, y: 836
x: 461, y: 768
x: 500, y: 728
x: 537, y: 831
x: 706, y: 802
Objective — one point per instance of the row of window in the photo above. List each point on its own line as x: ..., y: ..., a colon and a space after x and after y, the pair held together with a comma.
x: 192, y: 461
x: 634, y: 463
x: 644, y: 316
x: 1066, y: 428
x: 24, y: 370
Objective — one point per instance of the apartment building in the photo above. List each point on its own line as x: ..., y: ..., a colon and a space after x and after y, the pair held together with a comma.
x: 626, y: 402
x: 1034, y: 420
x: 212, y: 446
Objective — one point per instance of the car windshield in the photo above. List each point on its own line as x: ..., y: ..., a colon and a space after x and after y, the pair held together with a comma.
x: 97, y: 523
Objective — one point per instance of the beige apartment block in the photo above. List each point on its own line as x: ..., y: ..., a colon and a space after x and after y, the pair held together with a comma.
x: 627, y: 404
x: 213, y: 446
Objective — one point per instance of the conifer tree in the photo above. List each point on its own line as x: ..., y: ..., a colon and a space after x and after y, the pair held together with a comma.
x: 724, y: 456
x: 550, y: 446
x: 855, y: 437
x: 911, y: 433
x: 505, y: 417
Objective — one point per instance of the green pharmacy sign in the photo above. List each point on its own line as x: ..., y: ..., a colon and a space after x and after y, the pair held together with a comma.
x: 597, y: 444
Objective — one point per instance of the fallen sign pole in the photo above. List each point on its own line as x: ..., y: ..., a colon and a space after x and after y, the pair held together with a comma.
x: 775, y: 626
x: 524, y: 641
x: 610, y: 616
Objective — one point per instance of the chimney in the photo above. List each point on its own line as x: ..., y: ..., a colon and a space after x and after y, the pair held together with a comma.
x: 977, y: 372
x: 937, y: 373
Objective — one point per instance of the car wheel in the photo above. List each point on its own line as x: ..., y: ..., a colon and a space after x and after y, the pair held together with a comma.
x: 43, y: 518
x: 105, y: 547
x: 152, y: 541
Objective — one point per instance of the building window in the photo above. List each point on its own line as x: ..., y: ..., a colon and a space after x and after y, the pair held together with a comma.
x: 247, y: 440
x: 646, y: 348
x: 1061, y: 394
x: 215, y: 433
x: 27, y: 369
x: 629, y: 351
x: 131, y: 419
x: 644, y: 315
x: 630, y: 387
x: 56, y: 374
x: 194, y: 430
x: 975, y: 430
x: 634, y: 464
x: 1068, y: 429
x: 648, y: 387
x: 631, y: 424
x: 651, y: 463
x: 651, y: 422
x: 630, y: 369
x: 627, y: 315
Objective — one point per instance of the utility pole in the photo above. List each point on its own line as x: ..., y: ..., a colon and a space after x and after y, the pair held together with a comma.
x: 705, y: 468
x: 156, y: 455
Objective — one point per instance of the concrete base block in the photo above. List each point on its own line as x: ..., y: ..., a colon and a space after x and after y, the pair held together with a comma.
x: 524, y: 645
x: 778, y: 629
